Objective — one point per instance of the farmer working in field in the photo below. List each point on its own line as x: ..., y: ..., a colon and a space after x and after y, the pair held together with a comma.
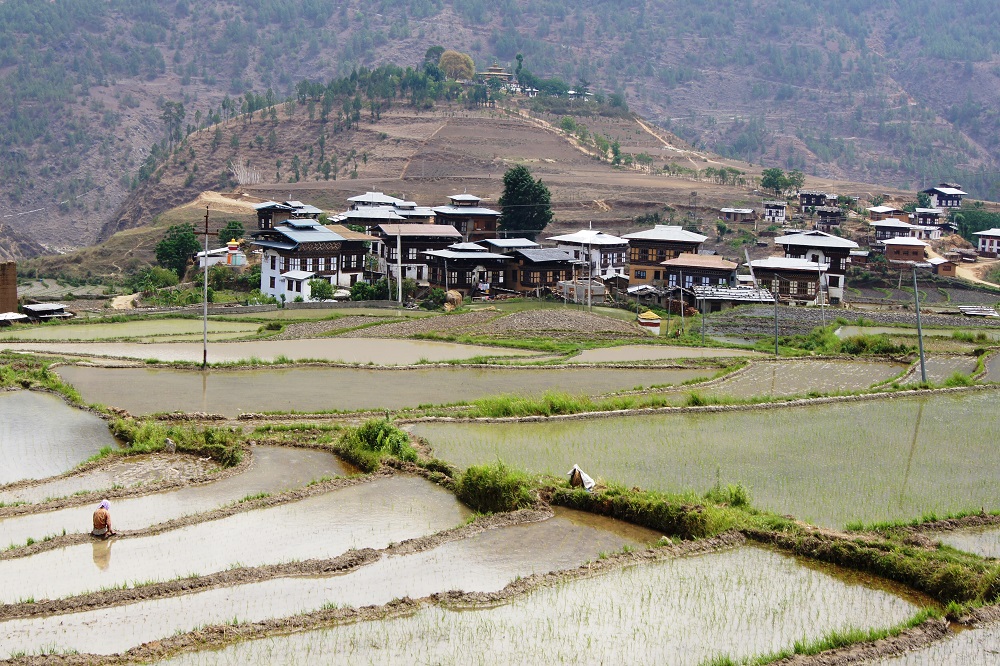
x: 102, y: 520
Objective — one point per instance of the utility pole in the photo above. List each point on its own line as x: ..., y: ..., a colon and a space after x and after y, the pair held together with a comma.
x: 775, y: 294
x: 204, y: 286
x: 682, y: 301
x: 704, y: 316
x: 399, y: 266
x: 920, y: 331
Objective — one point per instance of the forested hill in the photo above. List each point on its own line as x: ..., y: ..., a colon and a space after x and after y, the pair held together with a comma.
x: 899, y: 92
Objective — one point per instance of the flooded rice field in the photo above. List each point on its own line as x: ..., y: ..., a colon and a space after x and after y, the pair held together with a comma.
x: 42, y: 436
x: 992, y: 369
x: 323, y: 526
x: 272, y: 470
x: 850, y: 331
x: 829, y: 464
x: 685, y: 611
x: 123, y: 472
x: 985, y: 542
x: 627, y: 353
x: 940, y: 368
x: 313, y: 389
x: 148, y: 328
x: 485, y: 562
x: 964, y: 648
x: 798, y: 377
x: 355, y: 350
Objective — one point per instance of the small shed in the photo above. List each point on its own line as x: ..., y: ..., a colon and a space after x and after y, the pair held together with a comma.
x: 47, y: 311
x: 8, y: 318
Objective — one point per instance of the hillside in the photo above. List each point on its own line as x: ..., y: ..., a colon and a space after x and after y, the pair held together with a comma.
x: 890, y: 91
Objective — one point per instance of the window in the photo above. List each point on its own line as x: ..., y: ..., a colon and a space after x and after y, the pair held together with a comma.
x: 420, y: 272
x: 272, y: 281
x: 633, y: 254
x: 793, y: 287
x: 535, y: 277
x: 688, y: 281
x: 673, y: 279
x: 722, y: 282
x: 296, y: 263
x: 811, y: 288
x: 704, y: 280
x: 284, y: 264
x: 452, y: 277
x: 274, y: 264
x: 656, y: 275
x: 834, y: 280
x: 774, y: 285
x: 309, y: 264
x: 411, y: 253
x: 640, y: 275
x: 392, y: 254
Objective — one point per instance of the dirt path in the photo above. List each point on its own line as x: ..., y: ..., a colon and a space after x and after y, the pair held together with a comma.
x: 975, y: 273
x: 126, y: 302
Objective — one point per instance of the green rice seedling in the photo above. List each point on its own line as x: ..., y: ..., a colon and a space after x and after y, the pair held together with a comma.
x: 494, y: 488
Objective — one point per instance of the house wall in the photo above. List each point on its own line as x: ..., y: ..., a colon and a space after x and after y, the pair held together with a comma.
x: 603, y: 258
x: 789, y: 286
x: 472, y: 227
x: 8, y: 286
x: 526, y: 277
x: 946, y: 269
x: 989, y: 246
x: 645, y: 257
x: 903, y: 253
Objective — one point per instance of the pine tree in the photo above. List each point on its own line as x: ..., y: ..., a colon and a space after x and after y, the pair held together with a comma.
x: 525, y: 205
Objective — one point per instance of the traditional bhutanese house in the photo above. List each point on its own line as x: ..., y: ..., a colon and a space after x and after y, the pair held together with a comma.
x: 945, y: 195
x: 507, y: 245
x: 411, y: 212
x: 605, y: 254
x: 689, y: 270
x: 828, y: 217
x: 929, y: 217
x: 989, y: 242
x: 716, y: 298
x: 354, y: 252
x: 793, y: 281
x: 369, y: 217
x: 495, y: 72
x: 415, y: 240
x: 473, y: 221
x: 540, y: 270
x: 468, y: 268
x: 46, y: 311
x: 831, y: 252
x: 859, y: 257
x: 925, y: 233
x: 272, y: 213
x: 737, y: 215
x: 943, y: 266
x: 886, y: 213
x: 811, y: 199
x: 648, y: 249
x: 373, y: 199
x: 775, y: 212
x: 905, y: 249
x: 294, y: 253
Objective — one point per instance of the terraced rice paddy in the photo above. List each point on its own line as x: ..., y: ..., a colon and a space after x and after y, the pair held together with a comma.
x: 798, y: 377
x: 149, y: 329
x: 685, y: 611
x: 992, y: 369
x: 323, y: 526
x: 313, y: 389
x: 985, y: 542
x: 828, y: 464
x: 631, y: 353
x: 41, y: 436
x: 357, y: 350
x: 940, y: 368
x: 273, y: 470
x: 965, y: 648
x: 850, y: 331
x: 485, y: 562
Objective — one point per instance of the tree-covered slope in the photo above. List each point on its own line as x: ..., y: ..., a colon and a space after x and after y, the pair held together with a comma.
x: 893, y: 91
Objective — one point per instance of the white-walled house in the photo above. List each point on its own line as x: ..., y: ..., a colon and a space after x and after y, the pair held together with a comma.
x: 831, y: 252
x: 606, y: 254
x: 989, y: 242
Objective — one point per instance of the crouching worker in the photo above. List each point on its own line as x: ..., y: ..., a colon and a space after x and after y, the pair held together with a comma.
x: 102, y: 521
x: 580, y: 479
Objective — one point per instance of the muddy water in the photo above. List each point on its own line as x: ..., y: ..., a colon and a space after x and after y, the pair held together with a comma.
x: 992, y: 369
x: 131, y: 471
x: 148, y: 390
x: 41, y: 436
x: 984, y: 542
x: 367, y: 515
x: 131, y: 329
x: 354, y: 350
x: 940, y: 368
x: 485, y: 562
x: 784, y: 378
x: 654, y: 353
x: 972, y: 647
x: 829, y: 464
x: 686, y: 611
x: 273, y: 469
x: 849, y: 331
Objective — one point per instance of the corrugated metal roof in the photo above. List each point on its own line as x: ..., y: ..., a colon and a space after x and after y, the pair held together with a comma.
x: 349, y: 234
x: 429, y: 230
x: 546, y: 254
x: 815, y: 239
x: 988, y: 232
x: 476, y: 256
x: 467, y: 247
x: 589, y: 237
x: 12, y: 316
x: 275, y: 245
x: 744, y: 211
x: 374, y: 198
x: 45, y: 307
x: 509, y: 243
x: 739, y: 294
x: 700, y: 261
x: 786, y: 263
x: 464, y: 210
x: 904, y: 240
x: 372, y: 213
x: 465, y: 197
x: 298, y: 275
x: 946, y: 190
x: 317, y: 234
x: 667, y: 232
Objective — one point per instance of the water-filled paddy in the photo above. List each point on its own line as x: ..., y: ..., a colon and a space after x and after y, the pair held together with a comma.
x: 829, y: 464
x: 149, y: 390
x: 131, y: 329
x: 965, y: 648
x: 796, y: 377
x: 485, y: 562
x: 685, y: 611
x: 940, y: 368
x: 985, y: 542
x: 273, y: 469
x: 628, y: 353
x: 850, y: 331
x: 41, y: 436
x: 992, y: 369
x: 366, y: 515
x: 354, y: 350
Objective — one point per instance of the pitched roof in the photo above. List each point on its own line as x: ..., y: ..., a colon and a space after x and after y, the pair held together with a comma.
x: 349, y: 234
x: 510, y: 243
x: 815, y: 239
x: 465, y: 197
x: 744, y: 211
x: 546, y: 254
x: 929, y: 211
x: 467, y: 247
x: 589, y: 237
x: 464, y: 210
x: 945, y: 190
x: 298, y: 275
x: 700, y: 261
x: 375, y: 199
x: 429, y: 230
x: 459, y: 254
x: 786, y: 263
x: 904, y: 240
x: 988, y: 232
x: 667, y: 232
x: 884, y: 209
x: 892, y: 222
x: 738, y: 294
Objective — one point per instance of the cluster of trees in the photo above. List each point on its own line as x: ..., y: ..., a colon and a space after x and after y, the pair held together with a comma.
x: 779, y: 182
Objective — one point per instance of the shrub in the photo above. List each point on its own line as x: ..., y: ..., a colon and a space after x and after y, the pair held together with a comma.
x: 220, y: 444
x: 494, y: 488
x: 366, y: 445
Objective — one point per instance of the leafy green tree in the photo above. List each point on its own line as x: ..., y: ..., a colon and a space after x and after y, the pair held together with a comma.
x: 923, y: 200
x: 233, y: 230
x: 362, y: 291
x: 796, y: 179
x: 320, y: 289
x: 616, y: 153
x: 457, y: 65
x: 176, y: 247
x: 526, y: 204
x: 151, y: 279
x: 774, y: 179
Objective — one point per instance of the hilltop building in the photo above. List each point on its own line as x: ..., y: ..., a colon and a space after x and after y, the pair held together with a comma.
x: 989, y: 243
x: 945, y: 195
x: 273, y: 213
x: 775, y: 212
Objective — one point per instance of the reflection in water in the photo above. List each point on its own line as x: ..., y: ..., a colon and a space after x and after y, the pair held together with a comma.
x: 102, y: 553
x: 913, y: 449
